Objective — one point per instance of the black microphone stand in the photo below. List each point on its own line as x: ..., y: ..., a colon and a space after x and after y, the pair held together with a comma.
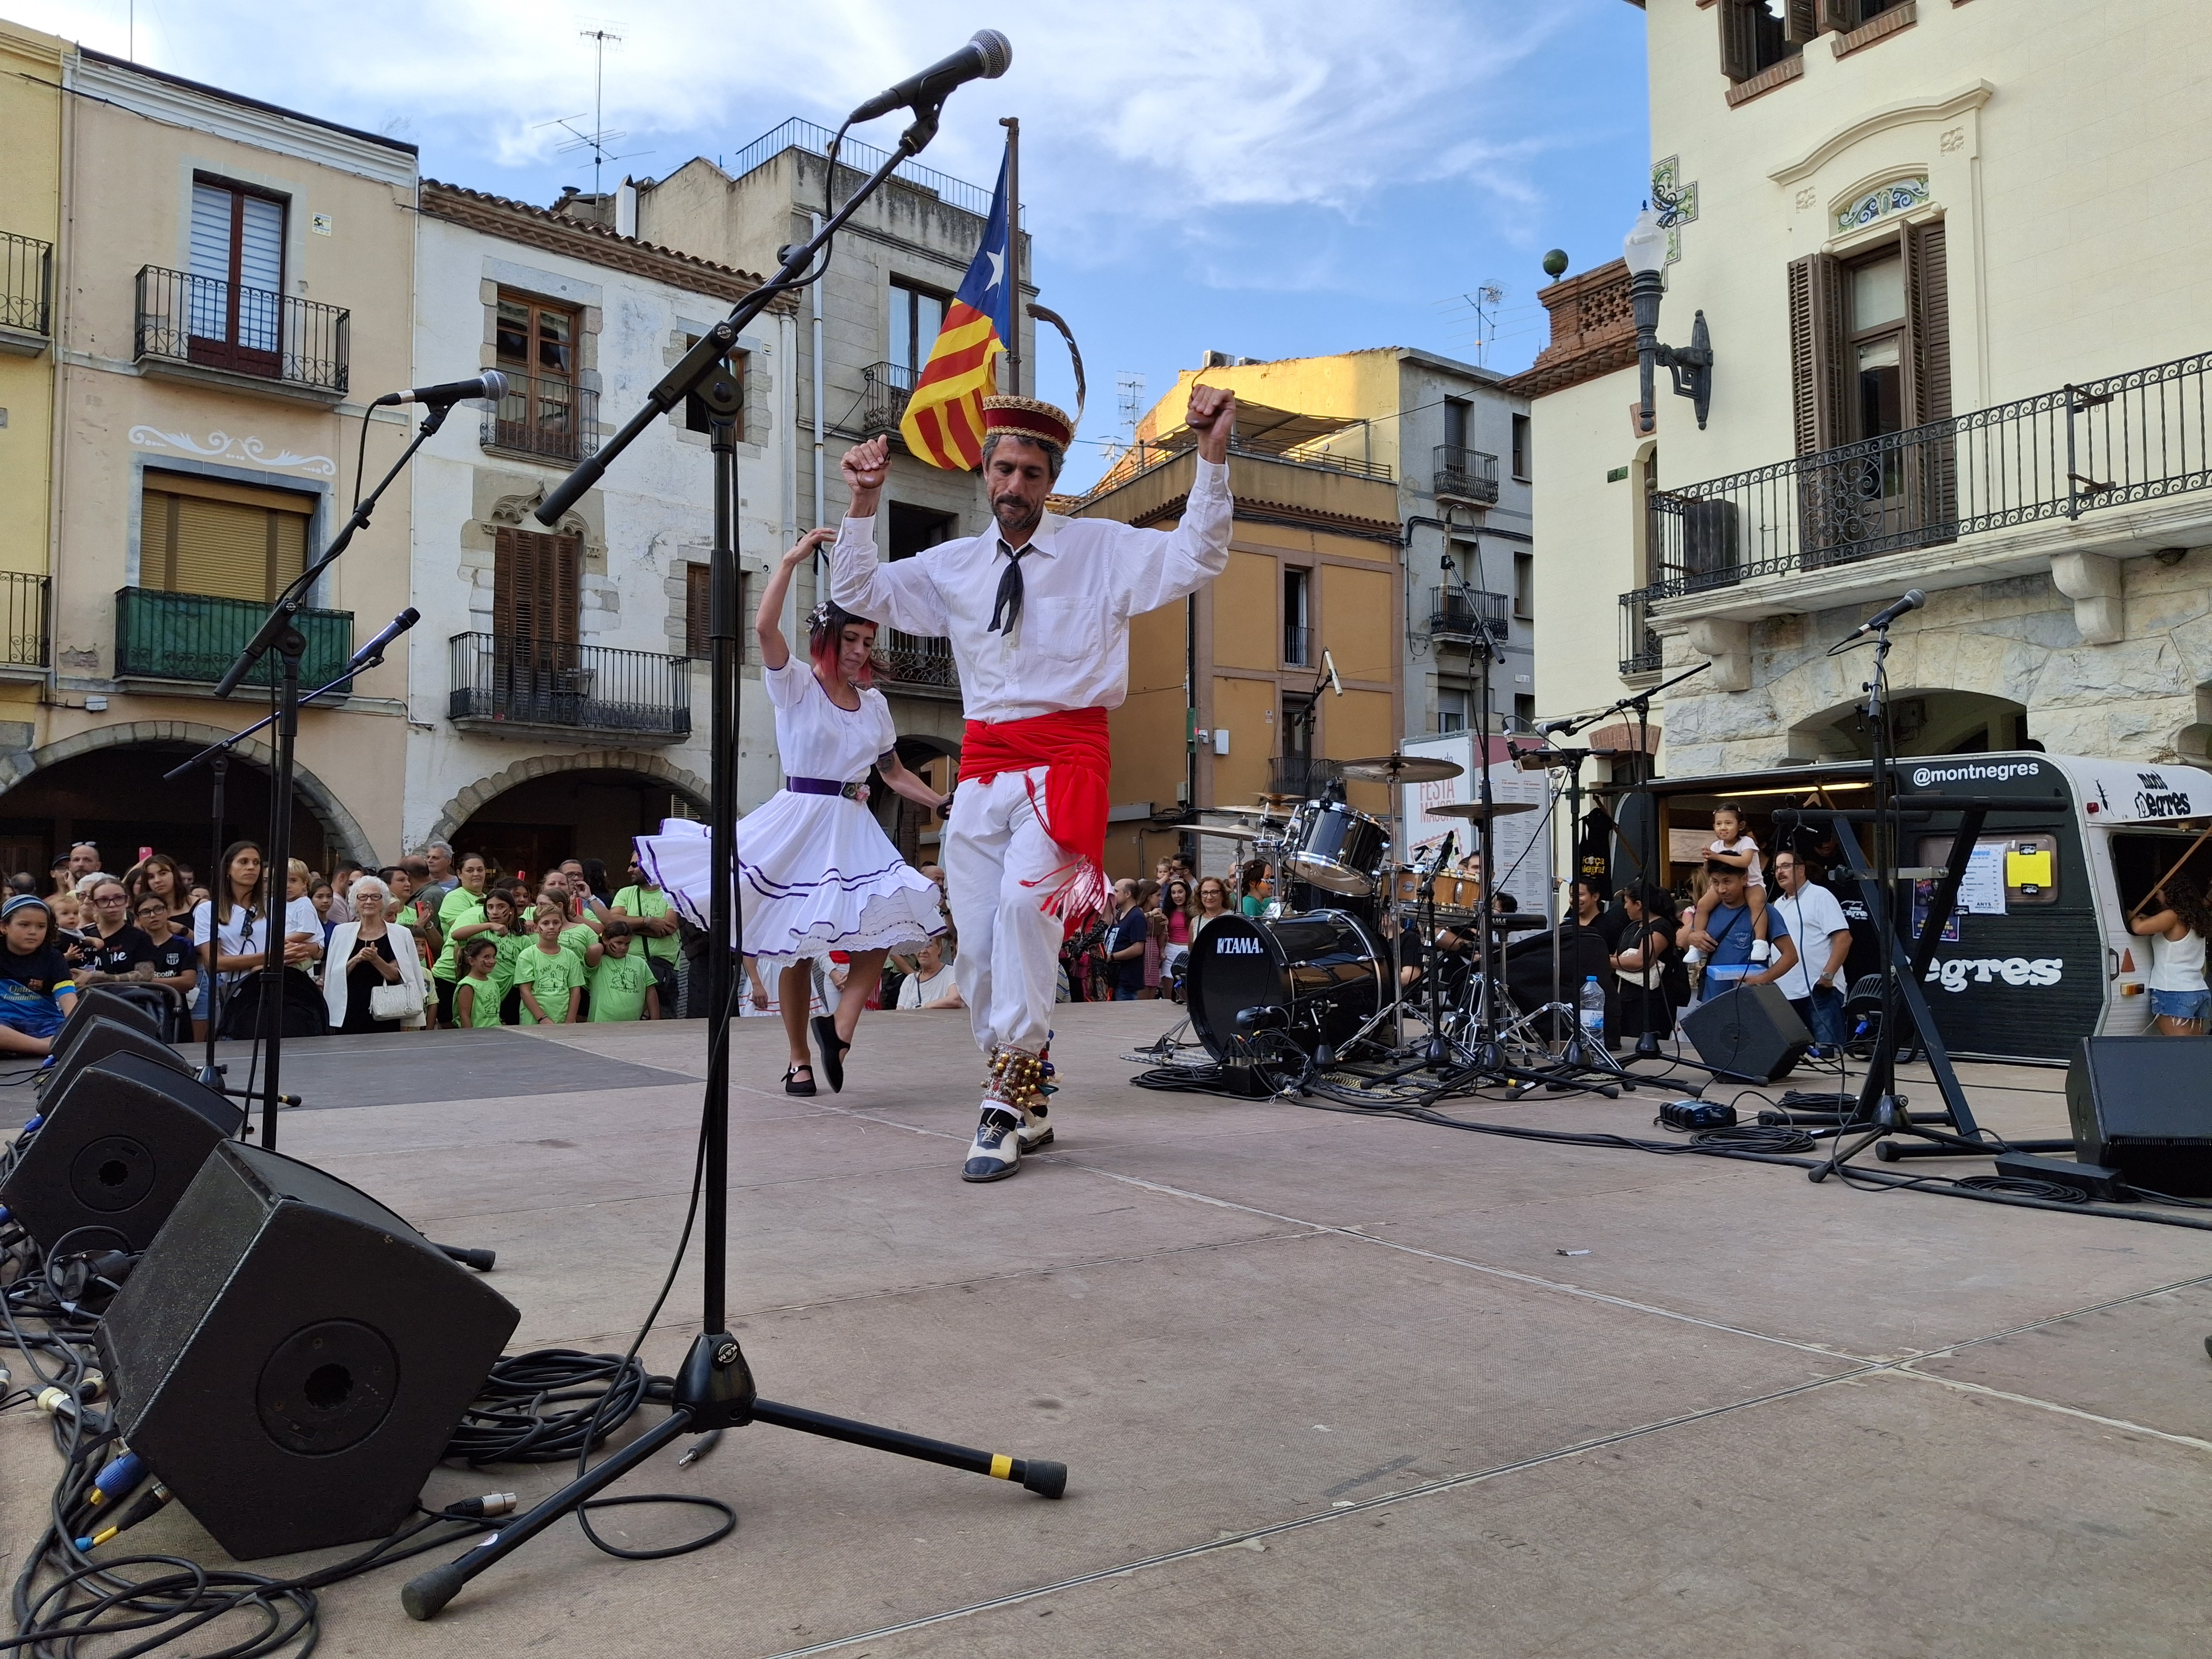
x: 713, y: 1387
x: 217, y: 757
x: 280, y: 633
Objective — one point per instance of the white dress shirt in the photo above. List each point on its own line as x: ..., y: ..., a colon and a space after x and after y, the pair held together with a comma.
x: 1082, y: 579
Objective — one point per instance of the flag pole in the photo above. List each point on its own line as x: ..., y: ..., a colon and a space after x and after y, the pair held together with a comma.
x: 1013, y: 126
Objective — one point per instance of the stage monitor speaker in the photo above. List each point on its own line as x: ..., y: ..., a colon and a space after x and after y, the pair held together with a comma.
x: 1750, y: 1032
x: 96, y: 1040
x: 290, y: 1357
x: 2142, y: 1105
x: 120, y: 1143
x: 105, y: 1002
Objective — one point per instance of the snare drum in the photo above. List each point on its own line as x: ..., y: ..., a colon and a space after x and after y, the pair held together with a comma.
x: 1456, y: 896
x: 1335, y: 846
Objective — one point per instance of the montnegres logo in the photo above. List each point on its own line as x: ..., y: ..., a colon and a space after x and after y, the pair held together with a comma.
x: 1998, y: 772
x: 1955, y: 973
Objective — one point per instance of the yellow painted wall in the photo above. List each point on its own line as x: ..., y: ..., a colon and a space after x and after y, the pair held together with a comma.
x: 1358, y: 611
x: 1350, y: 386
x: 1247, y: 603
x: 30, y: 205
x: 1247, y: 707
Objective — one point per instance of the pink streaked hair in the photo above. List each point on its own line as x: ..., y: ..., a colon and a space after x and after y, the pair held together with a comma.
x: 824, y: 629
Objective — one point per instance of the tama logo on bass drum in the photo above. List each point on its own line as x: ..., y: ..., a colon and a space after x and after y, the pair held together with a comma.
x: 1239, y: 945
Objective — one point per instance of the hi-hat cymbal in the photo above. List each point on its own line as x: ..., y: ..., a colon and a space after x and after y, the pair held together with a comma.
x: 1225, y: 831
x: 1473, y: 809
x: 1257, y: 814
x: 1400, y: 769
x: 1278, y: 802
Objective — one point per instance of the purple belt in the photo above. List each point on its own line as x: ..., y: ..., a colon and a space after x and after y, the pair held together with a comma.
x: 825, y: 786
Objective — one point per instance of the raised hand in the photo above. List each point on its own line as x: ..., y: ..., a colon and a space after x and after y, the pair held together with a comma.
x: 866, y: 466
x: 1212, y: 418
x: 803, y: 549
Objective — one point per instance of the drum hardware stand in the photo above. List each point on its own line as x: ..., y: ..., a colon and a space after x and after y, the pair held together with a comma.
x: 713, y: 1385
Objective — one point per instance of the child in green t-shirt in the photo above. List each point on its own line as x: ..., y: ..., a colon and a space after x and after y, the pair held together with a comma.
x: 551, y: 980
x: 623, y: 985
x: 475, y: 999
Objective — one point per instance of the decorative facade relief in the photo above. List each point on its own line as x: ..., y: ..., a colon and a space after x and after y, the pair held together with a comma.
x: 1899, y: 195
x: 222, y: 446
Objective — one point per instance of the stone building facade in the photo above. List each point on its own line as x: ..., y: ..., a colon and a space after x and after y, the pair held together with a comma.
x: 1952, y: 272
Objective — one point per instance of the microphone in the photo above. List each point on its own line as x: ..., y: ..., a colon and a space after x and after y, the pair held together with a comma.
x: 1444, y: 848
x: 984, y: 57
x: 490, y: 386
x: 372, y: 653
x: 1334, y: 683
x: 1545, y: 728
x: 1913, y: 600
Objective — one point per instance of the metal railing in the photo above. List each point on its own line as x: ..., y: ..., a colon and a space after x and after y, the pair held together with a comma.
x: 1457, y: 614
x: 1305, y: 775
x: 26, y: 284
x: 1640, y: 652
x: 247, y: 331
x: 589, y: 688
x: 1463, y: 474
x: 196, y: 636
x: 796, y: 134
x: 909, y: 659
x: 1297, y: 647
x: 24, y: 640
x: 2133, y: 437
x: 884, y: 388
x: 543, y: 416
x: 1149, y: 456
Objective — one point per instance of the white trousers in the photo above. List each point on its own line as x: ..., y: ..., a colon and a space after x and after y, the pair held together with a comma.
x: 999, y: 865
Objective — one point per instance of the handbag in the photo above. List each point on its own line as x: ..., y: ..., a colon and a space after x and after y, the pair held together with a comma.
x: 392, y: 1001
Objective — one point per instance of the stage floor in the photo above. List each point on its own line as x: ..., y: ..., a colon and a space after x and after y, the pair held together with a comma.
x: 1325, y: 1385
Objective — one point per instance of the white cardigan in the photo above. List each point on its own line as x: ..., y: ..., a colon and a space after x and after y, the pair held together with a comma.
x: 343, y: 940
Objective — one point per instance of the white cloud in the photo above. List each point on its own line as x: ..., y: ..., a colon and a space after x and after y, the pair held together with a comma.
x: 1159, y: 111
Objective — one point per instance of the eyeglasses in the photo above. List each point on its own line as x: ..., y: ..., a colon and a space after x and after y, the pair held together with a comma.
x: 106, y: 903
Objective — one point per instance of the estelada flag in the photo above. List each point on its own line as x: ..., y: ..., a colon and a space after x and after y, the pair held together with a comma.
x: 943, y: 421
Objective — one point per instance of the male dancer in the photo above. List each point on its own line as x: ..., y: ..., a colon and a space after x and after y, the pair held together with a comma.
x: 1037, y: 609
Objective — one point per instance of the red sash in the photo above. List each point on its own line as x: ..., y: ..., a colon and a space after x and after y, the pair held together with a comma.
x: 1071, y: 743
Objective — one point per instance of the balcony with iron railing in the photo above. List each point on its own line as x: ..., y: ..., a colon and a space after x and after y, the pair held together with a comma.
x: 1465, y: 614
x: 1298, y: 646
x: 26, y: 292
x: 506, y: 684
x: 884, y: 388
x: 24, y: 640
x: 544, y: 417
x: 204, y: 328
x: 195, y: 638
x: 1787, y: 536
x: 1457, y: 473
x: 1640, y: 652
x: 908, y: 662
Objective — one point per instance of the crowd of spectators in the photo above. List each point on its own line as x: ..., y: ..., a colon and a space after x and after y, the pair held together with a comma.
x: 435, y: 941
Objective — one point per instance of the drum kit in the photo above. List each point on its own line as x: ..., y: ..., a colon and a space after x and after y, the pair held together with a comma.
x: 1355, y: 945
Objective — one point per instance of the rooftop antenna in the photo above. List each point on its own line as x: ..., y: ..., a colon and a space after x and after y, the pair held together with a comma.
x: 598, y: 138
x: 1485, y: 301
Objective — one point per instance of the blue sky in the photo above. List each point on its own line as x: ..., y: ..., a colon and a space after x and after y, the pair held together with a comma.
x: 1245, y: 175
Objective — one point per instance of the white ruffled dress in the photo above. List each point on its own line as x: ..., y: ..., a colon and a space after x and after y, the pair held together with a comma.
x: 816, y: 873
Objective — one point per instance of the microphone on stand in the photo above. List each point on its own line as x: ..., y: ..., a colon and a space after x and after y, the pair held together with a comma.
x: 1913, y: 600
x: 372, y: 653
x: 1334, y: 683
x: 490, y: 386
x: 985, y: 58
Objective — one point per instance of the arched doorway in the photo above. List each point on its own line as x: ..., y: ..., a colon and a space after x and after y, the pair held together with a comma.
x: 549, y: 808
x: 914, y: 830
x: 1936, y: 722
x: 106, y: 785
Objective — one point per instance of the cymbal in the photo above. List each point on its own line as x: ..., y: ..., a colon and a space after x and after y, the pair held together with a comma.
x: 1279, y: 801
x: 1473, y: 809
x: 1400, y: 769
x: 1225, y: 831
x: 1257, y: 813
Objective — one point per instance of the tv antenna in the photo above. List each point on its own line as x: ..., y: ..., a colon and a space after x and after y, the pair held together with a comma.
x: 598, y: 140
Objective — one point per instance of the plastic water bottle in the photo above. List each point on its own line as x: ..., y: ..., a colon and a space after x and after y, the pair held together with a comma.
x: 1590, y: 1001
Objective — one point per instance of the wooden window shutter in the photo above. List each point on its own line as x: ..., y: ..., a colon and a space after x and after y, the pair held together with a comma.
x: 535, y: 586
x: 1739, y: 40
x: 1928, y: 302
x: 1840, y: 15
x: 1819, y: 385
x: 1803, y: 23
x: 698, y: 587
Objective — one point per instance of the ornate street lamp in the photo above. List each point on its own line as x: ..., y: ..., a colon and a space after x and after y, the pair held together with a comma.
x: 1645, y: 251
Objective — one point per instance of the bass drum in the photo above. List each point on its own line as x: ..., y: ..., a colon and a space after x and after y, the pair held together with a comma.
x: 1325, y: 971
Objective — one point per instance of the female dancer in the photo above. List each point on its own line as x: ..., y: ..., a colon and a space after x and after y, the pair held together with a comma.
x: 816, y: 873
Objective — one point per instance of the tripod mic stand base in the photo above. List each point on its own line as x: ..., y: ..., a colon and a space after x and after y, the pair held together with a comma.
x: 713, y: 1391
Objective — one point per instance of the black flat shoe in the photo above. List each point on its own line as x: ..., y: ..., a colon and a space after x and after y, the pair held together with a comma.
x: 833, y: 1051
x: 792, y: 1087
